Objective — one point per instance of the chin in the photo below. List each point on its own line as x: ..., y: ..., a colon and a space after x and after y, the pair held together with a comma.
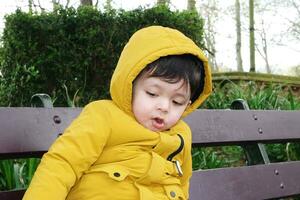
x: 154, y: 129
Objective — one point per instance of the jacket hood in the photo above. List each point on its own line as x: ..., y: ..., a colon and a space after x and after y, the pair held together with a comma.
x: 145, y: 46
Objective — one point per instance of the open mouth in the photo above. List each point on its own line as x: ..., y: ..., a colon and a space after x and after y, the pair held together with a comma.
x: 158, y: 123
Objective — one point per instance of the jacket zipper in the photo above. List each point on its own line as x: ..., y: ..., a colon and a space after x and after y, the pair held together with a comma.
x: 172, y: 155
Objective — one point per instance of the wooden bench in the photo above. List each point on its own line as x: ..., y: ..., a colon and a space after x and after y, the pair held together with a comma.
x: 28, y: 132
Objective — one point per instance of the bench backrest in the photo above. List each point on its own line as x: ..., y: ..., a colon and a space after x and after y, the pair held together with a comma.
x: 28, y: 132
x: 241, y: 127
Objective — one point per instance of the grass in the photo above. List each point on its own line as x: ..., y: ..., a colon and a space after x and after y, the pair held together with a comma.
x: 17, y: 173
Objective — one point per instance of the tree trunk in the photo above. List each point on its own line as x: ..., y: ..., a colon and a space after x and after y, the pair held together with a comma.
x: 86, y: 2
x: 55, y: 5
x: 239, y: 60
x: 266, y: 58
x: 252, y: 38
x: 108, y: 5
x: 163, y: 2
x: 210, y: 12
x: 264, y: 53
x: 210, y: 44
x: 191, y: 5
x: 30, y: 6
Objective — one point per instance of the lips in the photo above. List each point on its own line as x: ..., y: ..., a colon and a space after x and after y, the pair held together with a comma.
x: 158, y: 123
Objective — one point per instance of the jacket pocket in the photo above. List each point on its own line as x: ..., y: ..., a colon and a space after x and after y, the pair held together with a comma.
x: 115, y: 172
x: 174, y: 192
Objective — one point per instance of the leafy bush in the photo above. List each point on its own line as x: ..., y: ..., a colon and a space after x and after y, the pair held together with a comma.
x: 260, y: 97
x: 70, y: 54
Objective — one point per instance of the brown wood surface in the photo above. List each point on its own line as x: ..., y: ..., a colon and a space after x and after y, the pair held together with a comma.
x: 12, y: 195
x: 221, y: 127
x: 29, y: 132
x: 246, y: 183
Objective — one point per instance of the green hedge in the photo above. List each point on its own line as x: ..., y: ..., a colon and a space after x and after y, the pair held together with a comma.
x: 71, y: 53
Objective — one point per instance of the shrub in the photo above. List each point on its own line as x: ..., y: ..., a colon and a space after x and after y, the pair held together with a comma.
x: 73, y: 52
x: 260, y: 97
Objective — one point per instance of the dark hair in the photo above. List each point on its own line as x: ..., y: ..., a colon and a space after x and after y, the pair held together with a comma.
x: 175, y: 68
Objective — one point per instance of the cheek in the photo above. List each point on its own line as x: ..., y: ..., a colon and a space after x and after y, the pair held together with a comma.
x: 175, y: 117
x: 140, y: 108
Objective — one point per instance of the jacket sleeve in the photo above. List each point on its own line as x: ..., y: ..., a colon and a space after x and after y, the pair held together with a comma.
x: 187, y: 165
x: 70, y: 155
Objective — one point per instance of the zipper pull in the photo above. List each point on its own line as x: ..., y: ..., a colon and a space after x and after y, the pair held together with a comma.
x: 178, y: 167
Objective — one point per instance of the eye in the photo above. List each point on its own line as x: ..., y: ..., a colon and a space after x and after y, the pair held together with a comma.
x: 151, y: 94
x: 177, y: 103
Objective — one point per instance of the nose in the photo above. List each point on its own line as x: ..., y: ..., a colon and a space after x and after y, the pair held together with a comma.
x: 163, y: 105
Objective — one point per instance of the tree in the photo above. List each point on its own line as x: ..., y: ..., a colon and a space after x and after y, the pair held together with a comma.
x: 30, y: 4
x: 209, y: 11
x: 163, y: 2
x: 264, y: 42
x: 251, y: 37
x: 294, y: 28
x: 239, y: 60
x: 86, y: 2
x: 56, y: 4
x: 108, y: 5
x: 37, y: 6
x: 191, y: 4
x: 296, y: 25
x: 289, y: 11
x: 260, y: 42
x: 268, y: 15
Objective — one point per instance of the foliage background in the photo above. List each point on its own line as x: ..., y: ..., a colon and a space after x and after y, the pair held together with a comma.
x: 70, y: 53
x: 259, y: 96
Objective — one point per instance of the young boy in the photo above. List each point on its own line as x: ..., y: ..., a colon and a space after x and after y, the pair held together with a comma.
x: 134, y: 146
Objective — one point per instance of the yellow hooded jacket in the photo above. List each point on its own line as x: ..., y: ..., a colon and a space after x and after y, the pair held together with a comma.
x: 106, y: 154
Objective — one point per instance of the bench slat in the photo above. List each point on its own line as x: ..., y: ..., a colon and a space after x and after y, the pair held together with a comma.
x: 31, y: 130
x: 12, y: 195
x: 23, y: 131
x: 220, y: 127
x: 252, y: 182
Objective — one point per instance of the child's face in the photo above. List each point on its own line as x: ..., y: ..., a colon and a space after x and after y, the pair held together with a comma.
x: 157, y: 104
